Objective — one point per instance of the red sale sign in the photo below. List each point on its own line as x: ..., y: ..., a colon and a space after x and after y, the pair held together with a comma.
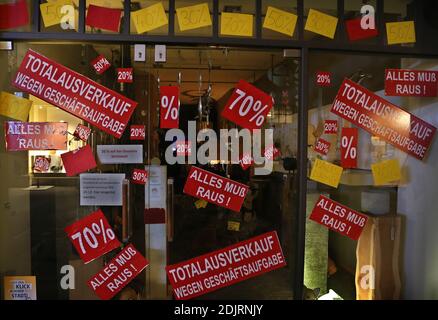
x: 349, y: 141
x: 138, y: 132
x: 338, y: 217
x: 82, y: 132
x: 100, y: 64
x: 183, y: 148
x: 139, y: 176
x: 271, y: 153
x: 103, y: 18
x: 322, y: 146
x: 23, y: 136
x: 42, y: 164
x: 323, y: 79
x: 381, y: 118
x: 330, y: 127
x: 74, y: 93
x: 14, y: 14
x: 215, y: 189
x: 125, y: 75
x: 169, y: 107
x: 118, y: 273
x: 356, y: 32
x: 92, y: 236
x: 411, y: 83
x: 246, y: 161
x: 248, y: 106
x: 227, y: 266
x: 78, y: 161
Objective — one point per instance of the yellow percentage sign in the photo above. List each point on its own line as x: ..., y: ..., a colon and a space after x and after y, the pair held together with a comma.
x: 280, y: 21
x: 193, y: 17
x: 51, y: 12
x: 321, y: 23
x: 400, y: 32
x: 150, y: 18
x: 237, y: 24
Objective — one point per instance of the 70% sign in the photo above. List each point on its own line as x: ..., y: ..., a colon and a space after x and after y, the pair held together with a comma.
x: 92, y: 236
x: 349, y: 147
x: 169, y: 107
x: 248, y: 106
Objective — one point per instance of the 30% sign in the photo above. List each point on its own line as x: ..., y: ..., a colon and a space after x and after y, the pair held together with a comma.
x: 349, y: 140
x: 248, y: 106
x: 92, y: 236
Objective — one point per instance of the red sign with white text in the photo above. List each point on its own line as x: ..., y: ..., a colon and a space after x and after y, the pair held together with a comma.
x: 227, y: 266
x: 169, y: 107
x: 42, y: 164
x: 139, y: 176
x: 356, y: 32
x: 411, y: 83
x: 183, y: 148
x: 100, y: 64
x: 125, y: 75
x: 338, y: 217
x: 246, y: 161
x: 78, y: 161
x: 92, y: 236
x: 82, y: 132
x: 74, y: 93
x: 349, y: 141
x: 118, y: 273
x: 330, y: 127
x: 248, y: 106
x: 215, y: 189
x: 271, y: 153
x: 383, y: 119
x: 138, y: 132
x: 23, y: 136
x: 14, y: 15
x: 322, y: 146
x: 323, y: 79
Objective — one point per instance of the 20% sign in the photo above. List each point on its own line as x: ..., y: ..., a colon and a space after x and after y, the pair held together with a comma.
x: 248, y: 106
x: 349, y: 147
x: 169, y: 107
x: 92, y: 236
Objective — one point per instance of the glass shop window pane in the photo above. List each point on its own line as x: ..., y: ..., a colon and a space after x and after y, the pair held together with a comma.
x: 150, y: 17
x: 113, y: 22
x: 59, y: 17
x: 399, y: 11
x: 241, y: 27
x: 282, y: 22
x: 193, y: 19
x: 327, y: 7
x: 352, y: 10
x: 9, y: 21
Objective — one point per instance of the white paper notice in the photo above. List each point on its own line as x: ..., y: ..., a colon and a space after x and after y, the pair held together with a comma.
x: 120, y: 154
x: 101, y: 189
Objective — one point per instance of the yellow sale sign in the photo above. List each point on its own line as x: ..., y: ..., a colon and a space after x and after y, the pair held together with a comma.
x: 280, y: 21
x: 386, y: 171
x: 326, y: 173
x: 14, y: 107
x: 193, y: 17
x: 321, y: 23
x: 237, y: 24
x: 149, y: 18
x: 400, y: 32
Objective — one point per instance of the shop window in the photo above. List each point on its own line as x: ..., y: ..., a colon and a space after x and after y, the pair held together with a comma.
x: 279, y: 25
x: 16, y: 15
x: 150, y: 17
x: 194, y: 18
x: 106, y: 17
x: 324, y: 27
x: 233, y: 25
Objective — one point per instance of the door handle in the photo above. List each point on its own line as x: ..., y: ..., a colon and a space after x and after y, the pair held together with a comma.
x: 169, y: 209
x: 126, y: 217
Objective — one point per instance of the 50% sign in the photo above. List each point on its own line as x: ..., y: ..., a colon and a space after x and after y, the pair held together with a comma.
x: 349, y: 147
x: 92, y: 236
x: 169, y: 107
x: 248, y: 106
